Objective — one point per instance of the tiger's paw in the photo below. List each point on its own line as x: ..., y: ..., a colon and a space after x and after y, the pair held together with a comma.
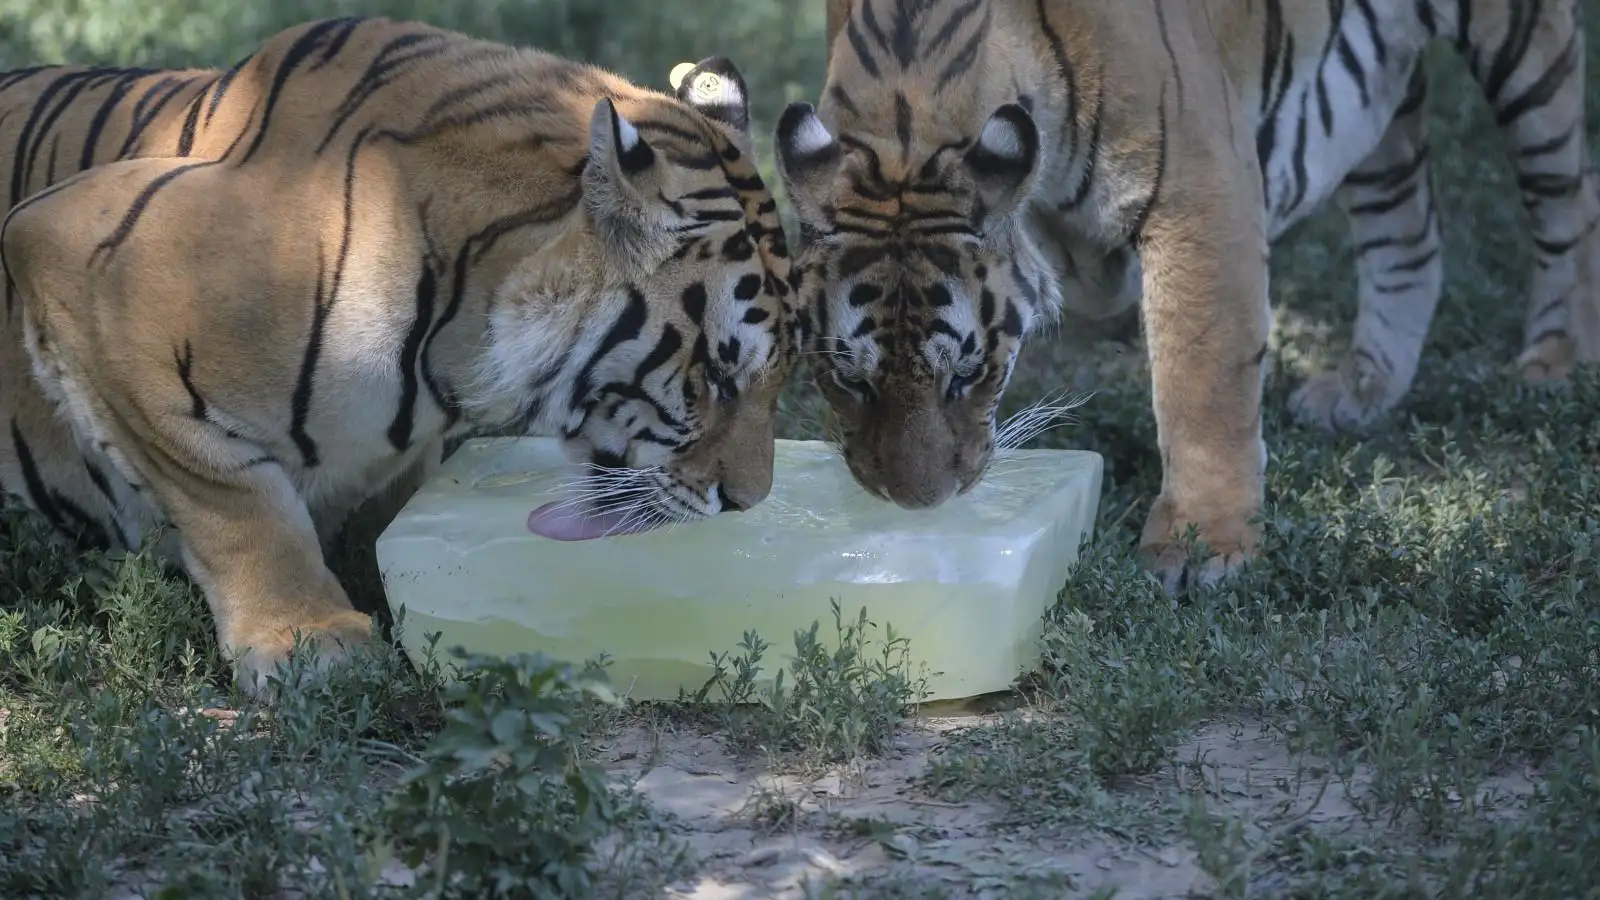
x: 1228, y: 541
x: 324, y: 643
x: 1548, y: 362
x: 1340, y: 401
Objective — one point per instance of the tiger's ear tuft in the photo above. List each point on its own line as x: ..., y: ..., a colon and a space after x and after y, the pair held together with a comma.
x: 615, y: 144
x: 808, y: 157
x: 715, y: 88
x: 1004, y: 158
x: 804, y: 144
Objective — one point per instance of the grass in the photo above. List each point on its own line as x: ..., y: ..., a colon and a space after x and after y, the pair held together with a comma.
x: 1420, y: 637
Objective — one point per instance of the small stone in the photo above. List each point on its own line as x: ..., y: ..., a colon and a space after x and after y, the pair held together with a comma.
x: 761, y: 856
x: 823, y: 859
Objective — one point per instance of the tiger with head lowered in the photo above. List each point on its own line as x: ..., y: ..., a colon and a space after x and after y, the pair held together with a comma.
x: 972, y: 165
x: 274, y: 291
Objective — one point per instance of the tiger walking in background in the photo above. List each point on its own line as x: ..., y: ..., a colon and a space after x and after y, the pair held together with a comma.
x: 275, y: 291
x: 974, y: 164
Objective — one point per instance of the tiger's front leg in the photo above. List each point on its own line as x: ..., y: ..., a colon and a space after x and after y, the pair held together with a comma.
x: 245, y: 537
x: 1204, y: 256
x: 250, y: 544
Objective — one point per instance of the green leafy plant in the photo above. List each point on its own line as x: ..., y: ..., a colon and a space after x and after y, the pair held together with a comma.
x: 503, y: 805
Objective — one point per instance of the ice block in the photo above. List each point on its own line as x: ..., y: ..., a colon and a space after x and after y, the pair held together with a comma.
x: 966, y: 583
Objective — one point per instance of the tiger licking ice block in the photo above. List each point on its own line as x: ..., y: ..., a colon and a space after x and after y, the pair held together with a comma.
x: 966, y: 583
x: 242, y: 302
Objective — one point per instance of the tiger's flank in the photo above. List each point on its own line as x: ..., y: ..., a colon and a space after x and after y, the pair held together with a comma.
x: 239, y: 303
x: 974, y: 166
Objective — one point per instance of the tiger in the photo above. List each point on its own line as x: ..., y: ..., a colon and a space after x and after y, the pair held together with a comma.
x: 241, y: 302
x: 973, y: 168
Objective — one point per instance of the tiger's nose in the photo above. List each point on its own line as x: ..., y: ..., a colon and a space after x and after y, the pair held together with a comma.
x: 727, y: 502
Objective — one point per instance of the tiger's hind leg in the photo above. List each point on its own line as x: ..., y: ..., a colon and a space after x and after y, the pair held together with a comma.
x: 105, y: 336
x: 1529, y: 60
x: 73, y: 488
x: 1394, y: 225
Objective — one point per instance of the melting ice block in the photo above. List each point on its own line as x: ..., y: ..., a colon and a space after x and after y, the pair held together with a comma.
x: 966, y: 583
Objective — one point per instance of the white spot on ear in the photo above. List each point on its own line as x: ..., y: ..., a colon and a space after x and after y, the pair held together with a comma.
x: 1002, y: 139
x: 678, y: 72
x: 709, y: 87
x: 627, y: 135
x: 810, y: 137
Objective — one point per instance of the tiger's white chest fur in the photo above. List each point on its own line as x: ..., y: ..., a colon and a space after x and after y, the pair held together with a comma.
x: 1319, y: 111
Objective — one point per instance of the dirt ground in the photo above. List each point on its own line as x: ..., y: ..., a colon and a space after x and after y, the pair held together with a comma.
x: 760, y: 834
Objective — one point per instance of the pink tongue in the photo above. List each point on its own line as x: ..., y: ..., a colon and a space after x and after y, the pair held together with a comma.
x: 559, y: 521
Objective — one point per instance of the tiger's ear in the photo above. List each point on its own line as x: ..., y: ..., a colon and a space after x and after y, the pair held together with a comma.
x: 715, y: 88
x: 620, y: 182
x: 615, y: 145
x: 1005, y: 157
x: 808, y: 155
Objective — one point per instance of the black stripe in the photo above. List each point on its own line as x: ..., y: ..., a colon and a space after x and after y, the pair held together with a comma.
x: 1279, y: 53
x: 966, y: 57
x: 902, y: 122
x: 89, y: 529
x: 1069, y: 74
x: 947, y: 31
x: 858, y: 43
x: 97, y: 125
x: 1090, y: 164
x: 37, y: 492
x: 1297, y: 158
x: 1551, y: 145
x: 903, y: 43
x: 185, y: 361
x: 668, y: 345
x: 378, y: 74
x: 1414, y: 239
x: 191, y: 122
x: 626, y: 327
x: 142, y: 117
x: 1352, y: 66
x: 459, y: 95
x: 405, y: 415
x: 300, y: 401
x: 17, y: 76
x: 1380, y: 48
x: 1541, y: 92
x: 136, y: 209
x: 222, y: 85
x: 1463, y: 24
x: 843, y: 99
x: 1386, y: 204
x: 292, y: 59
x: 18, y: 178
x: 348, y: 27
x: 323, y: 302
x: 1514, y: 49
x: 1172, y: 58
x: 1416, y: 263
x: 1390, y: 176
x: 1548, y: 186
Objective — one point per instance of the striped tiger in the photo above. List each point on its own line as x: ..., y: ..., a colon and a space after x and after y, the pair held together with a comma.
x: 239, y: 303
x: 973, y: 165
